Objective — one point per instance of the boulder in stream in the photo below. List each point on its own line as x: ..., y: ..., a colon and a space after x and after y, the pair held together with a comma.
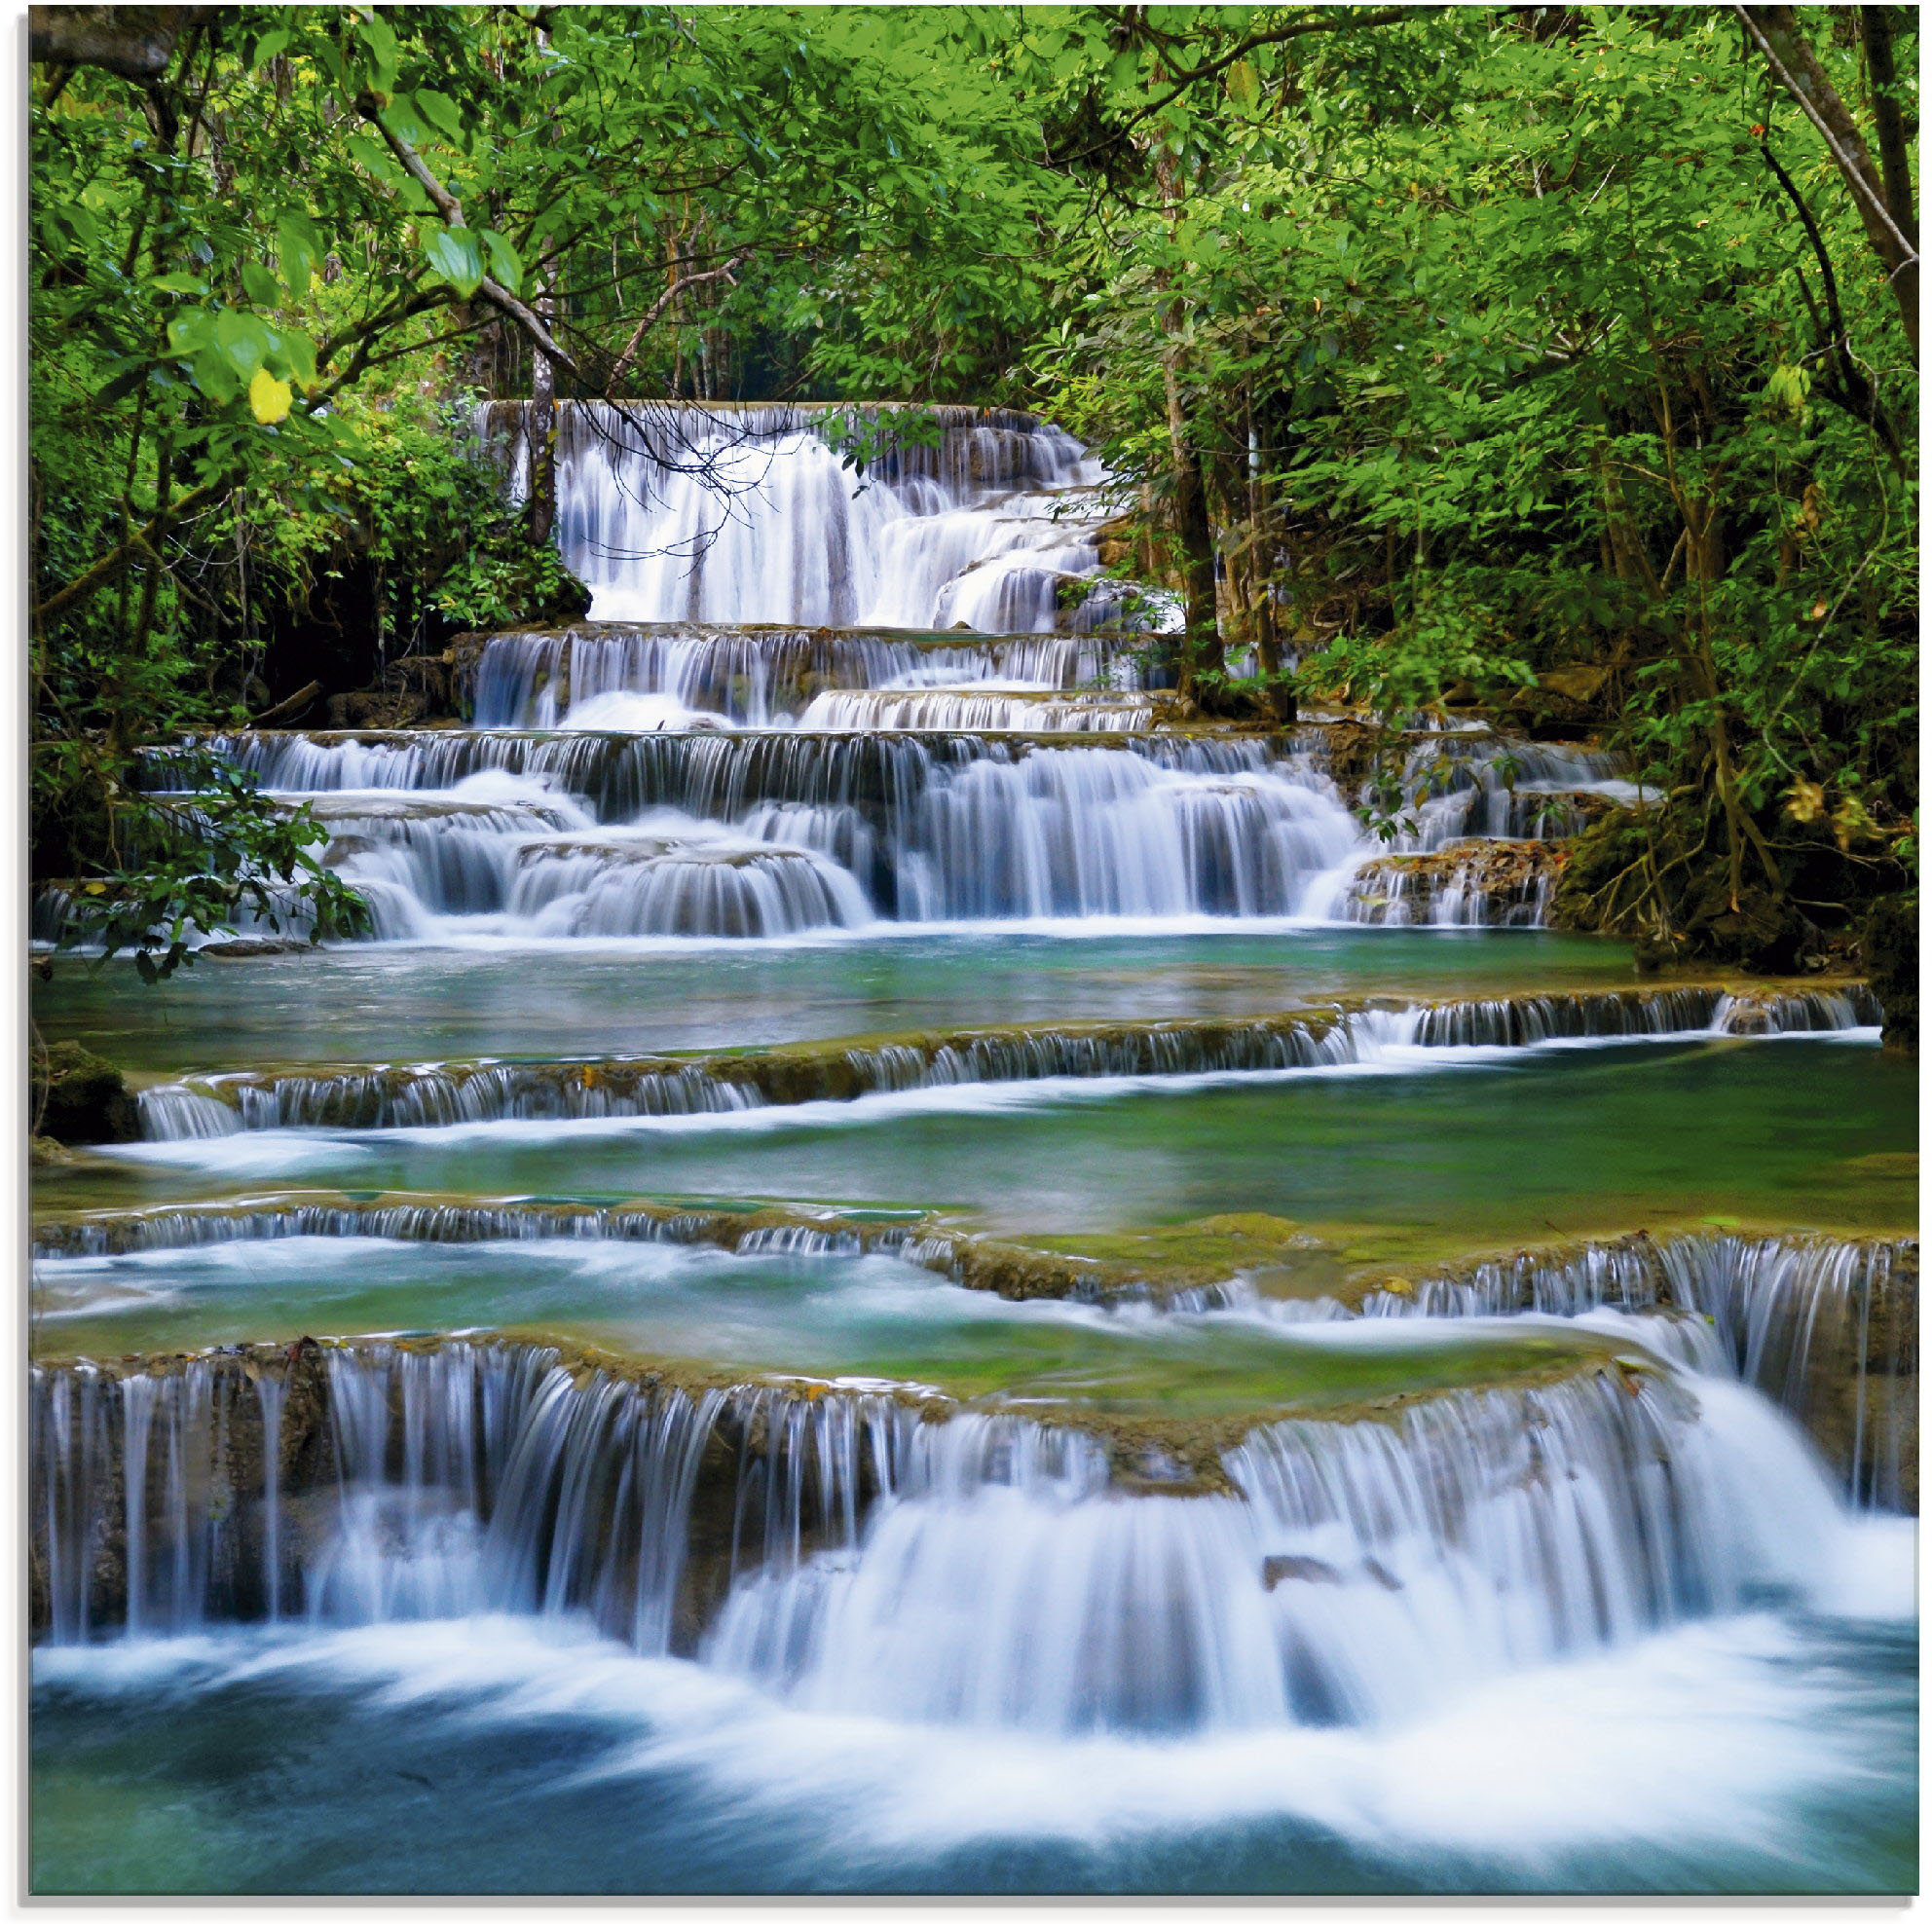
x: 77, y: 1098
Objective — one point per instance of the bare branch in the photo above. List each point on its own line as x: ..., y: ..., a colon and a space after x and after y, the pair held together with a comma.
x: 622, y: 364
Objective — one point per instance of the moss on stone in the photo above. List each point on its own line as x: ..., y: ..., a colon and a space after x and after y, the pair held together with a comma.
x: 77, y: 1098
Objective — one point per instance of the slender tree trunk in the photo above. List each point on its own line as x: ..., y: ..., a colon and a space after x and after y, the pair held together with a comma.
x: 1201, y: 652
x: 1279, y: 699
x: 541, y: 429
x: 1774, y: 31
x: 1875, y: 25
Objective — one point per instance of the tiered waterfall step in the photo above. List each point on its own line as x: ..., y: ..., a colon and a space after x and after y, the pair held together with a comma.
x: 1826, y: 1326
x: 427, y: 1094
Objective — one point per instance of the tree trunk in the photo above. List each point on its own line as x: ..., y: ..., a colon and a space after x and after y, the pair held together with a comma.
x: 1774, y: 30
x: 1200, y: 650
x: 1888, y: 117
x: 541, y: 429
x: 1279, y: 699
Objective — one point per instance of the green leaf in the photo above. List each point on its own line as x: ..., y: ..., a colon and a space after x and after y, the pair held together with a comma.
x: 214, y: 377
x: 123, y: 384
x: 242, y: 338
x: 440, y: 111
x: 299, y: 350
x: 504, y: 260
x: 188, y: 333
x: 300, y: 254
x: 260, y: 285
x: 454, y: 256
x: 180, y: 283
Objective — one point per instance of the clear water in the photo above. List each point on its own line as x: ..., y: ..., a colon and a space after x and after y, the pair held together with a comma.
x: 392, y: 1002
x: 1477, y: 1148
x: 1762, y: 1754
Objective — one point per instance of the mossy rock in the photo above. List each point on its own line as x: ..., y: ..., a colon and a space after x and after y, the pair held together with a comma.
x: 1890, y: 945
x: 77, y: 1098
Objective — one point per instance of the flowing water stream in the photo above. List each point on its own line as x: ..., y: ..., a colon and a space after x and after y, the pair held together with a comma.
x: 901, y: 1268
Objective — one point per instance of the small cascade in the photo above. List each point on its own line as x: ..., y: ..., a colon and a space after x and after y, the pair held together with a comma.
x: 1521, y: 1022
x: 1472, y: 784
x: 1828, y: 1329
x: 682, y: 884
x: 434, y: 1097
x: 1470, y: 884
x: 395, y: 1482
x: 423, y: 1095
x: 932, y: 708
x: 821, y: 1541
x: 1494, y: 1531
x: 202, y: 1225
x: 758, y: 677
x: 673, y: 512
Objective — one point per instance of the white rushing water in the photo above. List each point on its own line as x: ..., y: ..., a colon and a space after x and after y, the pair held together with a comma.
x: 761, y: 735
x: 739, y: 515
x: 1505, y: 1629
x: 977, y: 1569
x: 902, y: 805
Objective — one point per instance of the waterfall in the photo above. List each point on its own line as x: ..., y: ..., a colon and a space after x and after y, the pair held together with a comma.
x: 1472, y: 884
x: 857, y: 1554
x: 1472, y: 784
x: 748, y: 514
x: 769, y: 782
x: 761, y: 675
x: 198, y: 1226
x: 775, y: 833
x: 1827, y: 1329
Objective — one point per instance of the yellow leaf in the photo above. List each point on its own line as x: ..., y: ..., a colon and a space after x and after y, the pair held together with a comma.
x: 269, y: 397
x: 1808, y: 801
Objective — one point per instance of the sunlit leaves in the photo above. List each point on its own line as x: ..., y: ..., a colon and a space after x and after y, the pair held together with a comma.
x: 269, y: 398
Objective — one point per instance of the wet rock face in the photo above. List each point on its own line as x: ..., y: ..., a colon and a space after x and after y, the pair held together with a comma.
x: 1474, y: 883
x: 77, y: 1098
x: 1889, y: 941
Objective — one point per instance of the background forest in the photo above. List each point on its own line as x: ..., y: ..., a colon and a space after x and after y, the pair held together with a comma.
x: 1557, y: 361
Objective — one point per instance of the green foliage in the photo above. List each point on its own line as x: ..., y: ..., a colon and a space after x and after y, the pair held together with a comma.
x: 1497, y: 344
x: 1503, y: 351
x: 201, y: 871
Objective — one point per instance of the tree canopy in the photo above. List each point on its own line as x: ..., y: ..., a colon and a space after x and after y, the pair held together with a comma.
x: 1560, y: 361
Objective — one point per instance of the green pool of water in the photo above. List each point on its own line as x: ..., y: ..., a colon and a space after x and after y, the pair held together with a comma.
x: 391, y: 1003
x: 1441, y: 1160
x: 829, y: 1316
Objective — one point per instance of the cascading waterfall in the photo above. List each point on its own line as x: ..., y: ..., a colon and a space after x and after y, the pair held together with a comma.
x: 816, y: 831
x: 1472, y: 784
x: 450, y: 1222
x: 1828, y: 1329
x: 773, y: 781
x: 855, y: 1554
x: 758, y: 677
x: 748, y: 514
